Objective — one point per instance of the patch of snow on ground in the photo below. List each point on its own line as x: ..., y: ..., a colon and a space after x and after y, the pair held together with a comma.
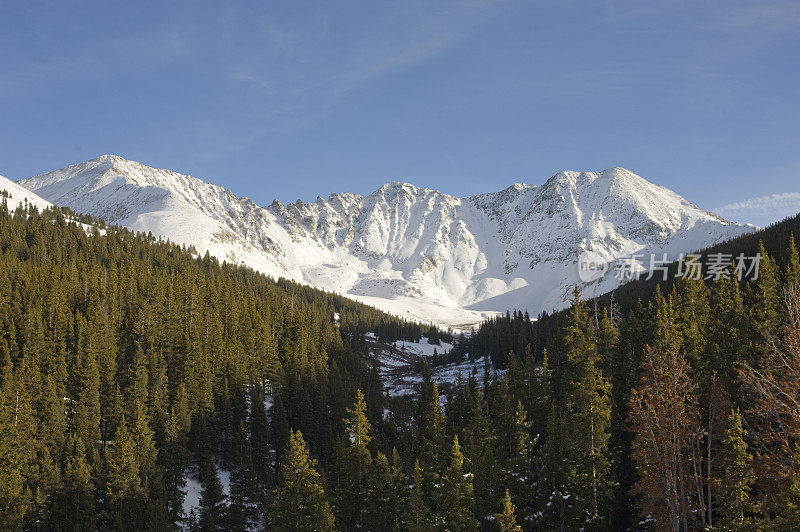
x: 194, y: 489
x: 423, y: 348
x: 398, y: 361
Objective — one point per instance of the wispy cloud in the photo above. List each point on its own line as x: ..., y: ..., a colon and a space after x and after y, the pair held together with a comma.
x: 104, y: 57
x: 762, y: 16
x: 321, y: 65
x: 762, y: 210
x: 295, y: 74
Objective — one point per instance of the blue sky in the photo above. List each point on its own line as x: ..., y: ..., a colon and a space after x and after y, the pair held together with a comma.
x: 296, y: 99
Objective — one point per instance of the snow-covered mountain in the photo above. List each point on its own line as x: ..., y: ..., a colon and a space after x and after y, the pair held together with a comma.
x: 408, y: 250
x: 14, y: 195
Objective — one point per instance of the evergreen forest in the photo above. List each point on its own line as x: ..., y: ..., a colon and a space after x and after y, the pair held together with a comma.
x: 131, y: 366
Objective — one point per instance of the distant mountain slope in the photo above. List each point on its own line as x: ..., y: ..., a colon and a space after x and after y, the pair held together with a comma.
x: 16, y: 195
x: 408, y: 250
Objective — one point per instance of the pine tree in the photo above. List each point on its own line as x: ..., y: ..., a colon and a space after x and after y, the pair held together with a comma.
x: 507, y: 520
x: 213, y: 502
x: 174, y: 456
x: 430, y: 425
x: 243, y: 490
x: 792, y: 269
x: 765, y: 308
x: 457, y: 498
x: 262, y: 455
x: 726, y: 338
x: 782, y: 509
x: 17, y: 433
x: 52, y: 428
x: 520, y: 469
x: 399, y: 489
x: 590, y: 422
x: 416, y: 516
x: 556, y: 471
x: 480, y: 445
x: 87, y: 417
x: 579, y: 342
x: 123, y: 484
x: 75, y: 505
x: 430, y: 441
x: 773, y: 387
x: 355, y: 464
x: 693, y: 315
x: 146, y: 452
x: 298, y: 501
x: 663, y: 416
x: 578, y: 470
x: 383, y: 504
x: 47, y: 486
x: 734, y: 488
x: 539, y: 394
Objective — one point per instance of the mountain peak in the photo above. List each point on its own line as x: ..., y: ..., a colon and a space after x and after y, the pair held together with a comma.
x: 616, y: 173
x: 416, y: 251
x: 397, y: 186
x: 108, y: 158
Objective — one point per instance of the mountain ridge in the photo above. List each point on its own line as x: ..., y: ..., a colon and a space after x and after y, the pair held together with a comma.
x: 410, y: 250
x: 16, y: 195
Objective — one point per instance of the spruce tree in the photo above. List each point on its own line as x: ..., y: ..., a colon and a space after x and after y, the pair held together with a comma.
x: 480, y: 450
x: 735, y: 486
x: 457, y: 497
x: 174, y: 456
x: 146, y: 452
x: 665, y: 421
x: 693, y: 314
x: 590, y: 422
x: 431, y: 442
x: 76, y: 502
x: 557, y: 471
x: 520, y: 469
x: 355, y: 465
x: 123, y: 484
x: 726, y: 331
x: 430, y: 425
x: 766, y: 305
x: 243, y: 491
x: 417, y: 517
x: 17, y: 434
x: 383, y: 503
x: 580, y: 346
x: 792, y: 269
x: 298, y: 501
x: 213, y: 502
x: 579, y: 467
x: 262, y: 455
x: 87, y: 418
x: 507, y: 520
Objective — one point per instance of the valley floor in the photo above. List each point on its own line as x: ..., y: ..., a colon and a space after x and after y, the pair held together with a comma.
x: 400, y: 362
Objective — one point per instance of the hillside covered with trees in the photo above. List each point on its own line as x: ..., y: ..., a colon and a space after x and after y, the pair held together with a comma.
x: 128, y: 365
x: 695, y: 383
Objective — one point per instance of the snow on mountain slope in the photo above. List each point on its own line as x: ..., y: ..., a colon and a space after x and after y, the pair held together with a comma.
x: 16, y: 195
x: 411, y: 251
